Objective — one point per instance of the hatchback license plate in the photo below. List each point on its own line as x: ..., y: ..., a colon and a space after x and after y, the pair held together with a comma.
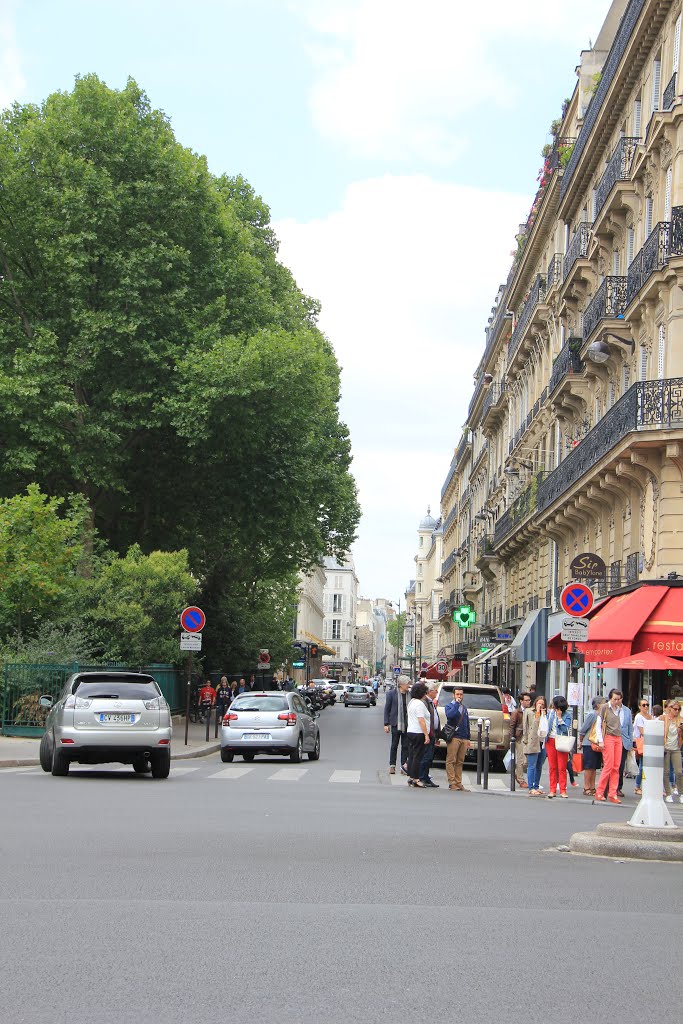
x: 111, y: 717
x: 255, y: 735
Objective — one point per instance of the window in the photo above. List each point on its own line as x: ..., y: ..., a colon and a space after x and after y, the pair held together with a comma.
x: 338, y: 582
x: 336, y: 629
x: 419, y: 569
x: 648, y: 216
x: 667, y: 194
x: 337, y: 602
x: 661, y: 352
x: 677, y: 44
x: 421, y: 541
x: 642, y: 364
x: 637, y: 116
x: 419, y: 588
x: 656, y: 83
x: 630, y: 245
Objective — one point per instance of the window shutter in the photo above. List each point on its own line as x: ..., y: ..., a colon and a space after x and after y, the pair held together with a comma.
x: 637, y: 117
x: 616, y: 261
x: 630, y: 245
x: 643, y: 363
x: 661, y: 352
x: 656, y: 84
x: 326, y: 629
x: 610, y: 394
x: 677, y: 43
x: 667, y: 194
x: 626, y: 382
x: 594, y: 203
x: 648, y: 216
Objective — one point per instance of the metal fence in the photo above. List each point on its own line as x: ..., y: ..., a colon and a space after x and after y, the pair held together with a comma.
x: 23, y: 685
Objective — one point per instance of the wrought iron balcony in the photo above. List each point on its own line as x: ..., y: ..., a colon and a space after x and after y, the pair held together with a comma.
x: 676, y: 232
x: 450, y: 518
x: 518, y: 511
x: 561, y: 153
x: 618, y: 169
x: 448, y: 564
x: 485, y: 547
x: 536, y: 295
x: 624, y: 32
x: 647, y: 405
x: 465, y: 442
x: 669, y: 94
x: 464, y: 499
x: 652, y: 257
x: 577, y: 249
x: 633, y: 567
x: 608, y: 303
x: 493, y: 397
x: 449, y: 476
x: 554, y: 272
x: 568, y: 361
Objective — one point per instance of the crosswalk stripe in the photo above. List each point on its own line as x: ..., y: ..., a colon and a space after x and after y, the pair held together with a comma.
x: 342, y: 775
x: 233, y: 771
x: 288, y: 775
x: 184, y: 769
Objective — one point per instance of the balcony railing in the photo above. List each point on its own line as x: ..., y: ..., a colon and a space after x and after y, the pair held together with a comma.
x: 448, y: 564
x: 478, y: 387
x: 568, y: 361
x: 669, y: 94
x: 618, y: 169
x: 577, y: 248
x: 536, y: 294
x: 523, y: 505
x: 676, y: 233
x: 609, y: 69
x: 554, y: 272
x: 464, y: 499
x: 456, y: 460
x: 485, y: 547
x: 450, y: 518
x: 561, y: 153
x: 652, y: 257
x: 646, y: 405
x: 608, y: 303
x: 493, y: 396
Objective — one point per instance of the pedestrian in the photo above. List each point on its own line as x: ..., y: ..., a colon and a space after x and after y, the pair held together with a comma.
x: 223, y: 696
x: 252, y: 682
x: 673, y: 738
x: 509, y: 699
x: 643, y: 715
x: 458, y: 736
x: 592, y: 758
x: 559, y: 724
x: 396, y: 722
x: 609, y: 736
x: 207, y: 699
x: 235, y: 690
x: 517, y: 730
x: 626, y: 719
x: 534, y: 735
x: 242, y: 687
x: 434, y: 729
x: 418, y: 733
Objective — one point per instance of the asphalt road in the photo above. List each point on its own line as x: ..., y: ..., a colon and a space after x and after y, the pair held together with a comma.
x: 207, y: 898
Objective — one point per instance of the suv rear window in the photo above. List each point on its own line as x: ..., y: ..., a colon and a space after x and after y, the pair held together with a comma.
x: 274, y: 703
x: 479, y: 701
x: 112, y: 689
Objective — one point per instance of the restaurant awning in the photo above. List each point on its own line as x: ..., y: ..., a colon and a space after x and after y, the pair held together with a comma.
x: 531, y: 642
x: 662, y: 632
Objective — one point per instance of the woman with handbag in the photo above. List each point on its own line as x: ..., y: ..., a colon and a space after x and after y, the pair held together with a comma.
x: 592, y: 758
x: 673, y: 738
x: 558, y: 746
x: 534, y: 734
x: 639, y: 721
x: 418, y: 733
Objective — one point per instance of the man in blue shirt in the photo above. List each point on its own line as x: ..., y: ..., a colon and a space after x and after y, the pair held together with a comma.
x: 458, y: 718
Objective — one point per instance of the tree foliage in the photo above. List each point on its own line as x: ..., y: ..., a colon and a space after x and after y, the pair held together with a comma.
x: 157, y: 358
x: 395, y: 628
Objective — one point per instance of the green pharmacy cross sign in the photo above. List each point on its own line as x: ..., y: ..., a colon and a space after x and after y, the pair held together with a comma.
x: 464, y: 616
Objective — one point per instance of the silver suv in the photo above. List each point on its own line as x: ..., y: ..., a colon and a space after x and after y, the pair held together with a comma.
x: 101, y: 717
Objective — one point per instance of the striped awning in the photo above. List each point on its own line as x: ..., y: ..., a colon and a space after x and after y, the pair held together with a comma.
x: 531, y: 643
x: 321, y: 643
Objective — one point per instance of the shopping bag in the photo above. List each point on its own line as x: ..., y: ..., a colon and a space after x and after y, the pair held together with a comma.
x: 577, y: 763
x: 507, y: 760
x: 631, y: 765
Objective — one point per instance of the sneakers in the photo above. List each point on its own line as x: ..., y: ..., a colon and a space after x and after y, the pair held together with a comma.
x: 669, y: 799
x: 563, y: 796
x: 392, y: 769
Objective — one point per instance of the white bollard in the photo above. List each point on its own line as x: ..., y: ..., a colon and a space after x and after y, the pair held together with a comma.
x: 652, y: 812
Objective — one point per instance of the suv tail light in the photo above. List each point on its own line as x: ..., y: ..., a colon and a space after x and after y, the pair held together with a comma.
x: 72, y: 702
x: 154, y: 704
x: 287, y: 716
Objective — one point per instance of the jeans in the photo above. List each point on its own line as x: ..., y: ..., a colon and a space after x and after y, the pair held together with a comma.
x: 395, y: 737
x: 416, y: 746
x: 534, y: 767
x: 426, y: 762
x: 672, y: 760
x: 624, y: 755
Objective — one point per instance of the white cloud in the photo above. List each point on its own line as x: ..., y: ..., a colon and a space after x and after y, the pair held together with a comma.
x: 394, y: 77
x: 12, y: 81
x: 406, y: 271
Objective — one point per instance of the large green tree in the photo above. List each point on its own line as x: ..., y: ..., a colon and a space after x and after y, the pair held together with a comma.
x: 156, y: 357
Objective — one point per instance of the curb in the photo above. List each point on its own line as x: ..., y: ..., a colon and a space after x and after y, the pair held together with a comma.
x: 32, y: 762
x: 593, y: 845
x: 19, y: 762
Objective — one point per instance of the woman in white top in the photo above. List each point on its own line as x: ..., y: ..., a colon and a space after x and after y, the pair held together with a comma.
x: 639, y: 721
x: 418, y: 733
x: 673, y: 737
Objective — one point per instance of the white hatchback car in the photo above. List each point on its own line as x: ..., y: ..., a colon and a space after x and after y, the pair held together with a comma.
x: 270, y: 723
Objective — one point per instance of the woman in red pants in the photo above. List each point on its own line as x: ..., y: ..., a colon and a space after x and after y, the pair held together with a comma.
x: 559, y: 724
x: 608, y: 729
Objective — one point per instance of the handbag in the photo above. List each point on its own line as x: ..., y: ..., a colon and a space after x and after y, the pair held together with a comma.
x: 631, y: 765
x: 593, y: 736
x: 639, y: 742
x: 565, y: 744
x: 577, y: 763
x: 543, y: 727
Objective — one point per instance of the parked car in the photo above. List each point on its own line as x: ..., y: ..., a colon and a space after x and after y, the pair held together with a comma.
x: 270, y: 723
x: 104, y: 717
x: 373, y: 696
x: 339, y: 689
x: 481, y: 702
x: 357, y: 695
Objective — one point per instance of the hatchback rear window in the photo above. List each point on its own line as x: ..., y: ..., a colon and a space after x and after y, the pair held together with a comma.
x: 274, y: 703
x: 111, y: 689
x: 357, y: 689
x: 478, y: 701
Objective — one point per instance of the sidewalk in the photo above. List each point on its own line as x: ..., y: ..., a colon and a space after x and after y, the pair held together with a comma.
x: 16, y: 751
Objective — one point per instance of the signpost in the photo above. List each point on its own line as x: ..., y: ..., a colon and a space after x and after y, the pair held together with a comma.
x: 193, y: 620
x: 576, y: 600
x: 442, y: 668
x: 574, y: 629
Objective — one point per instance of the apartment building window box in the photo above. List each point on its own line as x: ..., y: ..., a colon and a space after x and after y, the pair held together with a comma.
x: 616, y: 189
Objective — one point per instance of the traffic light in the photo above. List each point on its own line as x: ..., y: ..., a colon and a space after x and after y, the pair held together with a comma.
x: 464, y: 616
x: 576, y: 659
x: 313, y: 650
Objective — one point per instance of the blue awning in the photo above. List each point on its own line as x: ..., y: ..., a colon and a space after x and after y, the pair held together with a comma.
x: 531, y: 643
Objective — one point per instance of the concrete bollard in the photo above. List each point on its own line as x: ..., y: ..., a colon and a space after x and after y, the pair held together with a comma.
x: 652, y: 812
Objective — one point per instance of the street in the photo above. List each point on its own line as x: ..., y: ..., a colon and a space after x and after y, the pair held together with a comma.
x: 317, y: 891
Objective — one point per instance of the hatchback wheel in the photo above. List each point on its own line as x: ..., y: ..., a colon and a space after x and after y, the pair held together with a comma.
x: 315, y: 753
x: 60, y: 763
x: 248, y: 757
x: 226, y: 755
x: 161, y: 764
x: 45, y: 753
x: 296, y: 756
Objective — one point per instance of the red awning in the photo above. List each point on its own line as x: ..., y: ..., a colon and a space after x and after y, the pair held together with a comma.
x: 662, y: 632
x: 612, y: 631
x: 646, y: 661
x: 557, y: 648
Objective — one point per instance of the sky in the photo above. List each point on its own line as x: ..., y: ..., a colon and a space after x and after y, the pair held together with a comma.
x: 397, y: 146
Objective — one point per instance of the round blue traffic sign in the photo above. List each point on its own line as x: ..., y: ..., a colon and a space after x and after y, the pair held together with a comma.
x: 576, y: 599
x: 192, y: 619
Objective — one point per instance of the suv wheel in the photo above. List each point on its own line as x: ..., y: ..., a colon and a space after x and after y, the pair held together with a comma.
x: 45, y: 754
x: 161, y: 764
x: 60, y: 763
x: 297, y: 754
x: 248, y: 757
x: 227, y: 755
x: 141, y: 766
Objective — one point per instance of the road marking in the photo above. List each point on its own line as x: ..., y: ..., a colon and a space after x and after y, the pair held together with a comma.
x: 341, y: 775
x: 288, y: 775
x: 399, y: 780
x: 235, y: 771
x: 184, y: 769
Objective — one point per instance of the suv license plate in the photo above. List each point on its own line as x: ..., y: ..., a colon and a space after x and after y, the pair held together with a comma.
x: 255, y: 735
x: 111, y: 717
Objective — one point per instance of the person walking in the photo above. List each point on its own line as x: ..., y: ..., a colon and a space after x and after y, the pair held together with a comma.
x: 642, y: 716
x: 592, y: 758
x: 428, y: 753
x: 673, y: 738
x: 608, y: 731
x: 458, y: 723
x: 396, y: 722
x: 534, y: 733
x: 418, y: 733
x: 559, y: 724
x: 517, y: 730
x: 223, y: 696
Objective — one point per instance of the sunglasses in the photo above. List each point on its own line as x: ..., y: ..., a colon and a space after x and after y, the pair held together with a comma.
x: 644, y: 704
